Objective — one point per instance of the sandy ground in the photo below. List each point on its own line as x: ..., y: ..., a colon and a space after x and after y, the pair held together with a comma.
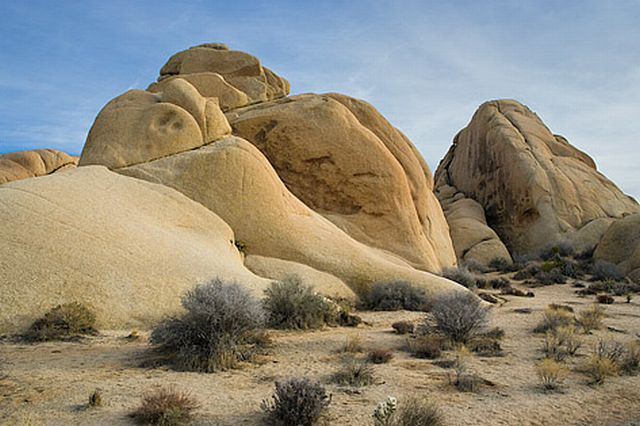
x: 49, y: 383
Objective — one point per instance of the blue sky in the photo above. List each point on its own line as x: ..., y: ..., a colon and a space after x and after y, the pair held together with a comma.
x: 426, y: 65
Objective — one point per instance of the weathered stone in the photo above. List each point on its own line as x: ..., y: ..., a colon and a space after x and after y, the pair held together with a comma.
x: 39, y: 162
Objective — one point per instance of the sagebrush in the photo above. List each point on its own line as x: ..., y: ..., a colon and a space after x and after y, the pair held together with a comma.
x: 166, y: 407
x: 296, y: 401
x: 395, y: 296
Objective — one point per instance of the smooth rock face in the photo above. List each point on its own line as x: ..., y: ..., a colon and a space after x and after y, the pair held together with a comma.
x: 345, y: 161
x: 39, y: 162
x: 139, y: 126
x: 620, y: 245
x: 236, y: 78
x: 535, y: 187
x: 472, y: 238
x: 235, y: 180
x: 126, y: 248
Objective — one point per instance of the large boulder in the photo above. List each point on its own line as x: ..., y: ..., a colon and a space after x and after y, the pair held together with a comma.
x: 39, y: 162
x: 620, y: 245
x: 534, y: 187
x: 124, y: 247
x: 235, y: 180
x: 345, y: 161
x: 235, y: 78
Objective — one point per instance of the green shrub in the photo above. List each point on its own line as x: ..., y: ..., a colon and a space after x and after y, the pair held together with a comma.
x: 356, y: 374
x: 395, y: 296
x: 403, y: 327
x: 418, y: 412
x: 380, y: 355
x: 220, y: 322
x: 292, y: 305
x: 459, y: 316
x: 461, y: 275
x: 299, y: 402
x: 63, y: 321
x: 165, y: 407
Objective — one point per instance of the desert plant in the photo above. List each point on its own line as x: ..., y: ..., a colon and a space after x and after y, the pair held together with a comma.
x: 559, y: 249
x: 499, y: 283
x: 353, y: 373
x: 500, y: 264
x: 604, y: 299
x: 561, y: 342
x: 428, y: 346
x: 550, y: 373
x: 95, y: 399
x: 485, y: 346
x: 459, y: 316
x: 554, y: 317
x: 299, y: 402
x: 462, y: 379
x: 290, y: 304
x: 590, y: 318
x: 394, y: 296
x: 603, y: 271
x: 418, y: 412
x: 352, y: 344
x: 63, y: 321
x: 380, y: 355
x: 220, y: 320
x: 384, y: 413
x: 165, y: 407
x: 610, y: 349
x: 599, y: 368
x: 403, y: 327
x: 630, y: 363
x: 554, y: 276
x: 529, y: 271
x: 475, y: 266
x: 461, y: 275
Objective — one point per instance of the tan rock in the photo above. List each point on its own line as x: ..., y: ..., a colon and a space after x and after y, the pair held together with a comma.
x: 126, y: 248
x: 139, y: 126
x: 236, y: 78
x: 535, y: 187
x: 39, y: 162
x: 278, y: 269
x: 232, y: 178
x: 344, y: 160
x: 620, y: 245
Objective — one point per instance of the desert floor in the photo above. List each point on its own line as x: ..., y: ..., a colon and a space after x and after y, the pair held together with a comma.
x: 49, y: 383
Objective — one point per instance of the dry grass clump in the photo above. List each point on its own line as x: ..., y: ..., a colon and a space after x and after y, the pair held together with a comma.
x: 380, y: 355
x: 461, y: 275
x: 300, y: 402
x: 165, y: 407
x: 418, y: 412
x: 64, y: 321
x: 218, y: 329
x: 630, y: 363
x: 395, y: 296
x: 428, y: 346
x: 95, y: 399
x: 459, y: 316
x: 462, y: 379
x: 353, y: 373
x: 292, y: 305
x: 353, y: 344
x: 590, y: 318
x: 598, y: 369
x: 553, y: 317
x: 551, y: 374
x: 403, y: 327
x: 561, y: 342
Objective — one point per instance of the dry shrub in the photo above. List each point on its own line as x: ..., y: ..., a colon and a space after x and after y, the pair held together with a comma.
x: 604, y: 299
x: 95, y: 399
x: 166, y: 407
x: 356, y: 374
x: 217, y: 330
x: 590, y: 318
x: 461, y: 275
x: 610, y: 349
x: 295, y: 401
x: 380, y: 355
x: 605, y: 271
x: 292, y: 305
x: 428, y: 346
x: 462, y: 379
x: 554, y: 317
x: 418, y: 412
x: 551, y: 374
x: 403, y: 327
x: 459, y: 316
x: 353, y: 344
x: 63, y: 321
x: 395, y: 296
x: 598, y: 368
x: 561, y: 342
x: 630, y: 363
x: 501, y: 264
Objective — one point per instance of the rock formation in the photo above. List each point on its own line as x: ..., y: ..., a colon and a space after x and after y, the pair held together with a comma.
x: 124, y: 247
x: 620, y: 245
x: 535, y: 188
x: 39, y: 162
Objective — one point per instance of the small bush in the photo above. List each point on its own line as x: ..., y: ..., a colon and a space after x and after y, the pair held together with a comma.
x: 551, y: 374
x: 380, y: 356
x: 554, y: 317
x: 165, y: 407
x: 354, y: 374
x: 610, y: 349
x: 499, y: 283
x: 559, y: 249
x: 427, y: 346
x: 292, y: 305
x: 299, y: 402
x: 403, y: 327
x: 604, y: 299
x: 418, y: 412
x: 353, y: 344
x: 485, y: 346
x: 561, y: 342
x: 598, y: 368
x: 554, y: 276
x: 384, y: 413
x: 462, y: 379
x: 475, y: 266
x: 603, y: 271
x: 630, y: 363
x: 95, y: 399
x: 500, y: 264
x: 461, y: 275
x: 395, y: 296
x: 529, y: 271
x: 220, y: 321
x: 590, y: 318
x: 459, y: 316
x: 63, y: 321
